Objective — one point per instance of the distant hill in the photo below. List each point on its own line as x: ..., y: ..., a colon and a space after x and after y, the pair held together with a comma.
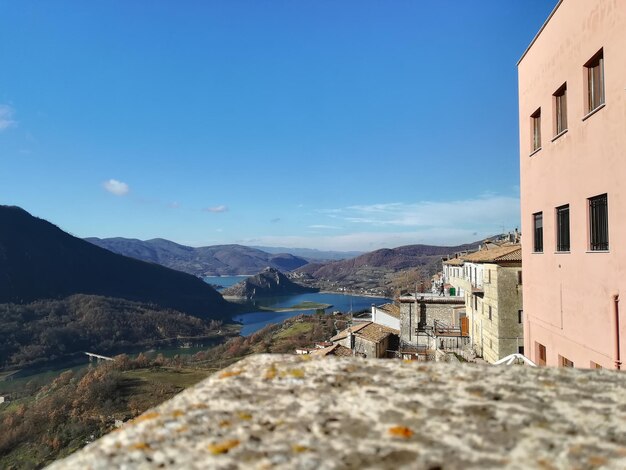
x: 311, y: 254
x: 46, y: 330
x: 222, y: 260
x: 268, y: 283
x: 40, y: 261
x: 427, y: 257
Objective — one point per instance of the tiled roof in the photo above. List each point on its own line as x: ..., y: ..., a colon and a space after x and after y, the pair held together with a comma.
x: 495, y: 254
x: 454, y: 262
x: 341, y: 351
x: 374, y: 332
x: 353, y: 329
x: 390, y: 309
x: 334, y: 350
x: 513, y: 256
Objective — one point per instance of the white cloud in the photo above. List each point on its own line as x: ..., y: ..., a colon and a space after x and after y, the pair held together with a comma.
x: 6, y: 117
x: 485, y: 211
x: 368, y: 241
x: 389, y: 225
x: 324, y: 227
x: 116, y: 187
x: 216, y: 209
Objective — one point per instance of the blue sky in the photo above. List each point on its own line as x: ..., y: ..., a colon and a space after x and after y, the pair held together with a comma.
x: 349, y: 125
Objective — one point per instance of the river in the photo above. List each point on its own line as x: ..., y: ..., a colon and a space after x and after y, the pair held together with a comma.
x: 257, y: 319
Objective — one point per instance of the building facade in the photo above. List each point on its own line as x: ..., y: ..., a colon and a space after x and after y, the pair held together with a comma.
x: 491, y: 282
x: 572, y: 114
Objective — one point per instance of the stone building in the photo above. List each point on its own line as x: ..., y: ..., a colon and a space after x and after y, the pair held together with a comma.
x: 422, y: 317
x: 368, y: 340
x: 491, y: 280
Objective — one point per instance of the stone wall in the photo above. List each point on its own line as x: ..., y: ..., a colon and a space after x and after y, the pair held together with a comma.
x: 288, y: 412
x: 370, y: 348
x: 497, y: 335
x: 426, y: 312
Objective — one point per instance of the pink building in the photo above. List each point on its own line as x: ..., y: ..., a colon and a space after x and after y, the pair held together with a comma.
x: 572, y: 105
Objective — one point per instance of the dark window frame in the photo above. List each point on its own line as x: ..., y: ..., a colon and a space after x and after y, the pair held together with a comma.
x: 542, y: 354
x: 595, y: 81
x: 560, y: 110
x: 599, y: 222
x: 563, y: 228
x: 535, y: 134
x: 538, y: 232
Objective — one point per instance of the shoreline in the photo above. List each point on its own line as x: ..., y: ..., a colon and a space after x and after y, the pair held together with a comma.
x: 355, y: 294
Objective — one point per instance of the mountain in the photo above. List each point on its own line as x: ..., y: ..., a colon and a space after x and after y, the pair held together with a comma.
x: 311, y: 254
x: 40, y: 261
x: 383, y: 272
x: 268, y: 283
x: 46, y: 330
x: 222, y: 260
x: 396, y: 259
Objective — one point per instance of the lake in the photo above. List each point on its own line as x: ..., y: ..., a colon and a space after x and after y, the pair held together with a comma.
x: 224, y: 281
x: 255, y: 320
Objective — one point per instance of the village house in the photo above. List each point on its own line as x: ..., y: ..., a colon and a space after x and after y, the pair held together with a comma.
x: 387, y: 315
x: 368, y: 340
x: 429, y: 323
x: 491, y: 281
x: 452, y: 275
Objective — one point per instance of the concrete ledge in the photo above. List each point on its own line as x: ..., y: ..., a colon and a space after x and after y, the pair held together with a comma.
x: 272, y: 411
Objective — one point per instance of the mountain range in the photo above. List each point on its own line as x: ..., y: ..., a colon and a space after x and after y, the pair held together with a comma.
x: 426, y: 257
x: 40, y: 261
x: 222, y: 260
x: 311, y: 254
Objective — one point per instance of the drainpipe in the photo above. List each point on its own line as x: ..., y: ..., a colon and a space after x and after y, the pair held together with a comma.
x: 618, y: 362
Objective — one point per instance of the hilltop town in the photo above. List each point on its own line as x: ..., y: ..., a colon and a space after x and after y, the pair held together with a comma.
x: 504, y: 351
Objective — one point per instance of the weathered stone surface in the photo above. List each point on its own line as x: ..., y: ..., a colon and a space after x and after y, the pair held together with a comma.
x: 272, y: 411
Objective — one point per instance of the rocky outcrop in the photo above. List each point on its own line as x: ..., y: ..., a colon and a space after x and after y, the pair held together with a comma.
x: 300, y: 412
x: 268, y: 283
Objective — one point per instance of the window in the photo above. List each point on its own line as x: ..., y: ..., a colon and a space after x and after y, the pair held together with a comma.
x: 595, y: 365
x: 565, y: 362
x: 562, y: 228
x: 599, y: 223
x: 595, y: 81
x: 535, y: 120
x: 541, y: 354
x: 519, y: 277
x: 560, y: 110
x: 490, y: 312
x: 520, y: 316
x: 489, y: 276
x: 538, y: 232
x: 475, y: 302
x: 520, y: 350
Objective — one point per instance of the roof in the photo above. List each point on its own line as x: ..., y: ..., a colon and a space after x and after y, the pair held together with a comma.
x: 545, y: 23
x: 375, y: 333
x: 390, y: 309
x: 495, y: 254
x: 334, y: 350
x: 353, y: 329
x: 454, y: 262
